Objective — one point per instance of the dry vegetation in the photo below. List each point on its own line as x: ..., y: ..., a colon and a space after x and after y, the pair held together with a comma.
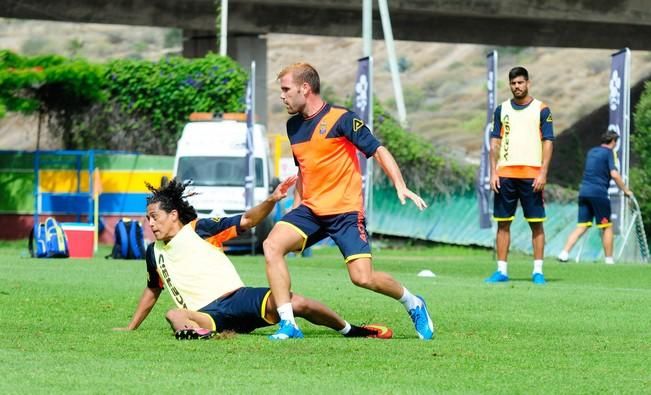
x: 443, y: 84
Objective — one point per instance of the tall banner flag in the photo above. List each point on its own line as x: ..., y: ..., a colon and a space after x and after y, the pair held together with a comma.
x: 484, y: 174
x: 363, y: 106
x: 249, y: 178
x: 619, y: 122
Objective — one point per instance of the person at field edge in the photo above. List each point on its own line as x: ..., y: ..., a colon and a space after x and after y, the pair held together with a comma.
x: 600, y: 168
x: 188, y: 260
x: 521, y: 149
x: 328, y: 199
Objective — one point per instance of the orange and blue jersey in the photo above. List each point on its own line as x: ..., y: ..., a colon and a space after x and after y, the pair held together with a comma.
x: 325, y: 150
x: 217, y: 231
x: 545, y: 127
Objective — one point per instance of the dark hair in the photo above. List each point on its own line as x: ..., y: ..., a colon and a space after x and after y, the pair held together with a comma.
x: 518, y: 71
x: 303, y: 72
x: 608, y: 136
x: 170, y: 196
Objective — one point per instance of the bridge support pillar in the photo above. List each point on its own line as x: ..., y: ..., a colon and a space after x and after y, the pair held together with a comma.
x: 243, y: 48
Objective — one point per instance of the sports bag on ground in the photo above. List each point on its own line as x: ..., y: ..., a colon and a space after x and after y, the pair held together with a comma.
x: 129, y: 240
x: 48, y: 240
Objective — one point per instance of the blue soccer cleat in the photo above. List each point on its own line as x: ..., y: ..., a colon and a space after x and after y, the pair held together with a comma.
x: 422, y: 321
x: 286, y: 331
x: 538, y: 279
x: 497, y: 277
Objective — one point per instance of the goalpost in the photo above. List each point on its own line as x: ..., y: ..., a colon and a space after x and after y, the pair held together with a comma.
x: 634, y: 246
x: 630, y: 245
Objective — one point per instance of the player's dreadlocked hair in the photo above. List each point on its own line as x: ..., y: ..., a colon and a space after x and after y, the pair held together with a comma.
x: 170, y: 197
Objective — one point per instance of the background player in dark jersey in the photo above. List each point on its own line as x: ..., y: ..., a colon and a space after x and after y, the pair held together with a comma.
x: 325, y: 140
x: 594, y: 203
x: 188, y: 260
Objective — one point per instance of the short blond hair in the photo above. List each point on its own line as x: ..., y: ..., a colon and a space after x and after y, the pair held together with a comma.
x: 303, y: 72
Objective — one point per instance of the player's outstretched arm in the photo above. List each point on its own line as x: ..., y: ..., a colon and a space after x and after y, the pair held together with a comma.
x: 147, y: 301
x: 614, y: 174
x: 391, y: 169
x: 256, y: 214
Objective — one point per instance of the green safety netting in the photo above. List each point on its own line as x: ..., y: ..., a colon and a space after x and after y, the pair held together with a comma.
x: 455, y: 220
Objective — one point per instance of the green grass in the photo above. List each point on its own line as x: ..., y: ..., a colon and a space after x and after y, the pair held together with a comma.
x: 586, y: 331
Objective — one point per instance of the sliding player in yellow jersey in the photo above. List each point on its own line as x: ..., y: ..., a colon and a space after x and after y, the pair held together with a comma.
x: 187, y: 259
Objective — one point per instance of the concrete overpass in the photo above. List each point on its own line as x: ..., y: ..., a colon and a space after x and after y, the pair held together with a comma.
x: 558, y: 23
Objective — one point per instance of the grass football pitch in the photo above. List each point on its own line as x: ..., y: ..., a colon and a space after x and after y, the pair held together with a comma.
x: 586, y: 331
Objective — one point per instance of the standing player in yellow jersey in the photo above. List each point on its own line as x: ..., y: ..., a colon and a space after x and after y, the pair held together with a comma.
x: 325, y: 140
x: 521, y: 149
x: 187, y: 258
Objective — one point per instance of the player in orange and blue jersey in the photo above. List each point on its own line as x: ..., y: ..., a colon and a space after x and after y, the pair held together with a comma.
x: 187, y: 259
x: 328, y: 201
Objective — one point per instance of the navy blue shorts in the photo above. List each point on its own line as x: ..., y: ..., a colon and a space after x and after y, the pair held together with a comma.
x: 348, y: 230
x: 512, y: 190
x: 242, y: 311
x: 594, y: 207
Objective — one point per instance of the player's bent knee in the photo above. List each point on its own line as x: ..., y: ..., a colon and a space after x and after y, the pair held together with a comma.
x: 300, y: 304
x: 274, y: 249
x: 271, y: 248
x: 363, y: 281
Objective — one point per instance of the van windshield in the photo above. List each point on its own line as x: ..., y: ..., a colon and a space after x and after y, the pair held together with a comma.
x: 212, y: 171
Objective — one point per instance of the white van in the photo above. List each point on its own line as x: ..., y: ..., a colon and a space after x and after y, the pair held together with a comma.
x: 211, y: 153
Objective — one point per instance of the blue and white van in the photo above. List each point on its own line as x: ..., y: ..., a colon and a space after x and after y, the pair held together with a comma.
x: 212, y: 153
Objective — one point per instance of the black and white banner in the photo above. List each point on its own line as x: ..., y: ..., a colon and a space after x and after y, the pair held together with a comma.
x: 619, y: 121
x: 363, y: 106
x: 484, y: 175
x: 249, y: 178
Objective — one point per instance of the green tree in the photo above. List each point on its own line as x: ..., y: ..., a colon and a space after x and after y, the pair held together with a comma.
x: 430, y: 168
x: 50, y: 85
x: 125, y: 104
x: 641, y: 144
x: 149, y: 102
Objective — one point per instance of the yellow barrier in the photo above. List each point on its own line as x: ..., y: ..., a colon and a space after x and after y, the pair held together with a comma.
x: 112, y: 181
x: 278, y: 140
